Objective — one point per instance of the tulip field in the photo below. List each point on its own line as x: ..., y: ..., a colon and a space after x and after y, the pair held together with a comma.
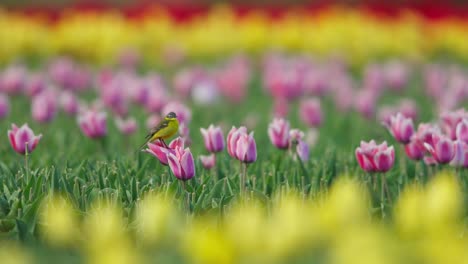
x: 333, y: 137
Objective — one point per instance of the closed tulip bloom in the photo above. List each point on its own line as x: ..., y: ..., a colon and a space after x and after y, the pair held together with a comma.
x: 208, y: 161
x: 20, y: 137
x: 414, y: 150
x: 246, y: 150
x: 401, y: 128
x: 461, y: 154
x: 126, y: 126
x: 182, y: 164
x: 442, y: 148
x: 375, y: 158
x: 311, y: 112
x: 303, y: 151
x: 450, y: 121
x: 462, y: 131
x: 13, y: 79
x: 233, y: 138
x: 36, y: 84
x: 278, y: 131
x: 69, y: 103
x: 160, y: 151
x: 4, y: 105
x: 214, y: 139
x: 93, y: 124
x: 44, y: 107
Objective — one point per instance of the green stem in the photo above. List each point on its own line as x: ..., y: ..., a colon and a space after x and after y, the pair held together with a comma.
x: 186, y: 196
x: 26, y: 163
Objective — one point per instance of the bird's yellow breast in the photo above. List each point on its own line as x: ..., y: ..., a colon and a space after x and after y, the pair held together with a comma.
x: 168, y: 131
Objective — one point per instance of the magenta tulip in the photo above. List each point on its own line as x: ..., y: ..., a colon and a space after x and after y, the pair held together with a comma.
x: 22, y: 137
x: 214, y: 139
x: 246, y: 149
x: 442, y: 148
x: 93, y: 124
x: 450, y: 121
x: 160, y: 151
x: 415, y: 150
x: 401, y: 128
x: 208, y: 161
x: 181, y: 163
x: 233, y: 138
x: 278, y: 131
x: 375, y: 158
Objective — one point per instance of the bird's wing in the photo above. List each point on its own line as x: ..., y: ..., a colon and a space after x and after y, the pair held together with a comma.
x: 157, y: 128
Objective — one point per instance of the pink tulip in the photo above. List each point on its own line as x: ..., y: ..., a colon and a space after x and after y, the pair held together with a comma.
x: 396, y: 75
x: 233, y: 79
x: 375, y: 158
x: 302, y: 150
x: 159, y: 150
x: 295, y: 136
x: 280, y: 107
x: 246, y: 149
x: 232, y: 139
x: 208, y: 161
x: 205, y: 92
x: 35, y: 84
x: 93, y: 124
x: 126, y: 127
x: 152, y: 121
x: 462, y: 131
x: 442, y: 148
x: 278, y: 131
x: 185, y: 79
x: 450, y: 121
x: 365, y: 102
x: 311, y: 112
x: 13, y: 79
x: 214, y: 139
x: 182, y: 164
x: 156, y: 98
x: 44, y: 107
x: 414, y: 150
x: 69, y: 103
x: 22, y: 137
x: 425, y: 132
x: 461, y: 154
x: 408, y: 108
x: 4, y: 105
x: 401, y: 128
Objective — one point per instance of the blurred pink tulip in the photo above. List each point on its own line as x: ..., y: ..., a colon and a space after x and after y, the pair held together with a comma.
x: 13, y: 79
x: 461, y: 154
x: 93, y: 124
x: 4, y: 105
x: 69, y: 103
x: 401, y: 128
x: 35, y: 84
x: 214, y: 139
x: 234, y: 78
x: 22, y: 137
x: 303, y: 151
x: 414, y: 150
x: 208, y: 161
x: 205, y: 92
x: 184, y: 115
x: 375, y: 158
x: 450, y: 121
x: 311, y: 112
x: 280, y: 107
x: 126, y: 126
x: 396, y: 75
x: 442, y: 148
x: 44, y: 106
x: 408, y: 108
x: 462, y: 131
x: 365, y: 102
x: 156, y: 98
x: 182, y: 164
x: 152, y: 121
x: 278, y: 132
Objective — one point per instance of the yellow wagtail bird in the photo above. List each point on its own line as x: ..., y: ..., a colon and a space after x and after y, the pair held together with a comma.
x: 166, y: 129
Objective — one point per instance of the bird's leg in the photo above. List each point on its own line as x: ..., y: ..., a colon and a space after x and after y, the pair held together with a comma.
x: 164, y: 143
